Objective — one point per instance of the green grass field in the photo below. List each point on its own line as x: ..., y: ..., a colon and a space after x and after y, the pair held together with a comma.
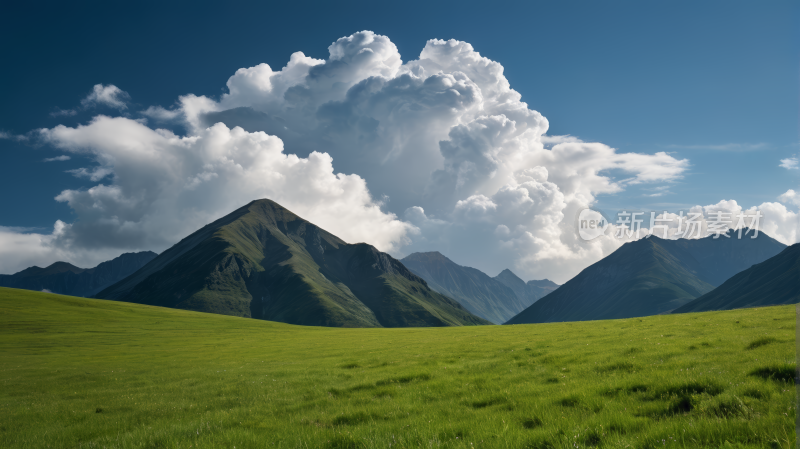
x: 83, y: 373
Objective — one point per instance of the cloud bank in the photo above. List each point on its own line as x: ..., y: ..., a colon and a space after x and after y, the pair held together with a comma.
x: 436, y: 153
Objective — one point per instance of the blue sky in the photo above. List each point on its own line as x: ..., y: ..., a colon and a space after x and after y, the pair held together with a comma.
x: 712, y: 82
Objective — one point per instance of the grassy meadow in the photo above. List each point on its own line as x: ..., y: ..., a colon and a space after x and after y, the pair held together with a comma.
x: 84, y: 373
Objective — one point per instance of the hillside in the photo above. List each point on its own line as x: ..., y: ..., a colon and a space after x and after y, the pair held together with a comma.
x: 648, y: 277
x: 263, y: 261
x: 91, y: 373
x: 772, y: 282
x: 477, y: 292
x: 67, y: 279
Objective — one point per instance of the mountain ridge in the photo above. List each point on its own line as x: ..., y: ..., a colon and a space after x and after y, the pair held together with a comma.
x: 67, y: 279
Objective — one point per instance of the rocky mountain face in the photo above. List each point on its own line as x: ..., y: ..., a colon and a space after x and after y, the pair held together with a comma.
x: 265, y: 262
x: 67, y: 279
x: 772, y: 282
x: 648, y: 277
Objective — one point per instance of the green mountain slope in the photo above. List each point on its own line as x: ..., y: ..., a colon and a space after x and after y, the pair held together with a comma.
x: 66, y: 279
x: 477, y: 292
x: 640, y: 278
x: 772, y: 282
x: 265, y: 262
x: 650, y: 276
x: 529, y: 292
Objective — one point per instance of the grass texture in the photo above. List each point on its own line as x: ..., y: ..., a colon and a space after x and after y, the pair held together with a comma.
x: 84, y: 373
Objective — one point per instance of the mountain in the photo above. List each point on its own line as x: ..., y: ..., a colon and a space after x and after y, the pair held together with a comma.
x: 477, y: 292
x: 723, y: 257
x: 649, y: 277
x: 67, y: 279
x: 529, y: 292
x: 772, y: 282
x: 265, y: 262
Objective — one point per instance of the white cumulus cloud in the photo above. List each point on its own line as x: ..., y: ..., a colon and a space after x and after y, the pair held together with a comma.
x: 163, y: 187
x: 438, y: 138
x: 435, y: 153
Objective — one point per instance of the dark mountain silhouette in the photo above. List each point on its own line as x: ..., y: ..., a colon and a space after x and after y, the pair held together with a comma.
x: 67, y: 279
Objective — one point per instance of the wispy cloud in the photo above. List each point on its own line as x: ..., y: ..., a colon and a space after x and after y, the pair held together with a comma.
x: 659, y: 191
x: 722, y: 147
x: 58, y: 158
x: 9, y: 136
x: 790, y: 163
x: 159, y: 113
x: 95, y: 174
x: 101, y: 95
x: 63, y: 112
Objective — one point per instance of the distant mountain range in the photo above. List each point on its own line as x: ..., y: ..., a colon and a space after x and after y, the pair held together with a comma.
x: 649, y: 277
x: 263, y: 261
x: 490, y: 298
x: 772, y: 282
x: 529, y: 292
x: 67, y: 279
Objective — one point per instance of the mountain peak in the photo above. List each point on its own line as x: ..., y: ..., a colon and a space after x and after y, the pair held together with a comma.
x: 61, y: 267
x: 264, y: 261
x: 508, y: 274
x: 429, y: 254
x: 545, y: 283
